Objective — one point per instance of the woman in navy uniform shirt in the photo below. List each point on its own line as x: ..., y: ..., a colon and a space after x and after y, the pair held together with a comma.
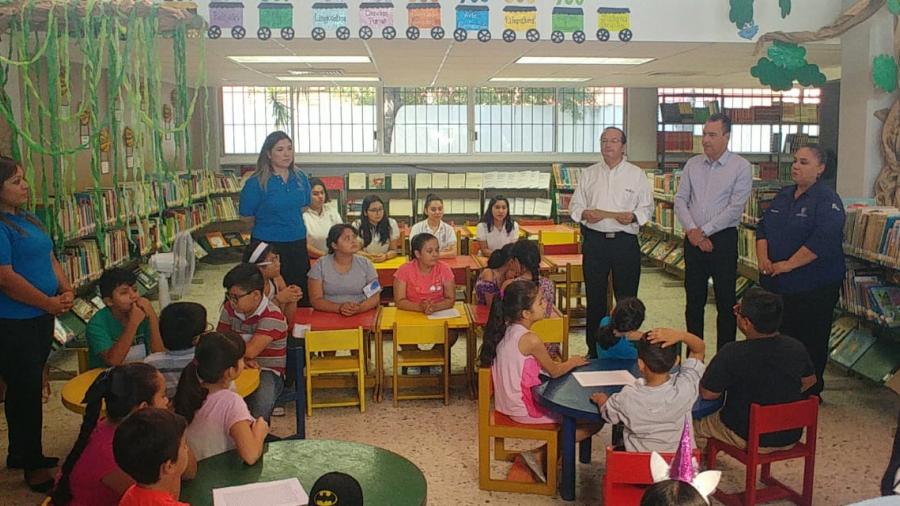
x: 799, y: 248
x: 272, y: 200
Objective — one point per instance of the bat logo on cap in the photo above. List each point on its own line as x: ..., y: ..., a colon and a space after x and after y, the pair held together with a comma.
x: 325, y: 498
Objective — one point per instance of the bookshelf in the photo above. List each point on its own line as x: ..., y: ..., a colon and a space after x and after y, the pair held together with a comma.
x: 394, y: 189
x: 460, y: 191
x: 528, y: 192
x: 565, y: 180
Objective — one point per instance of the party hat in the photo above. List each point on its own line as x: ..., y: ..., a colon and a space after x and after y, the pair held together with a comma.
x: 682, y: 468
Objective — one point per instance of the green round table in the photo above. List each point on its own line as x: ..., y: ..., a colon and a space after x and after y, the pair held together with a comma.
x: 385, y: 477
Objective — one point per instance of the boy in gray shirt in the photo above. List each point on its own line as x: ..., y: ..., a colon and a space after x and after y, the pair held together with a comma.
x: 653, y: 408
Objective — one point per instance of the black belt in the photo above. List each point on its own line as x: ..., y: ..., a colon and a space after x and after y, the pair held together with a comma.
x: 603, y: 235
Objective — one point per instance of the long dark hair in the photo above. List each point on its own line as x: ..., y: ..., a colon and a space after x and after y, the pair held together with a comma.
x: 499, y: 257
x: 488, y: 217
x: 248, y: 252
x: 123, y: 388
x: 383, y: 227
x: 670, y: 492
x: 418, y: 242
x: 8, y: 168
x: 528, y: 254
x: 505, y: 310
x: 335, y: 233
x: 264, y: 162
x: 431, y: 197
x: 627, y: 316
x: 216, y: 353
x: 313, y: 182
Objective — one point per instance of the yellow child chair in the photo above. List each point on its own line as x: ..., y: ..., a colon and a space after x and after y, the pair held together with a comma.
x: 437, y: 334
x: 334, y: 341
x: 554, y: 330
x: 559, y: 243
x: 492, y: 424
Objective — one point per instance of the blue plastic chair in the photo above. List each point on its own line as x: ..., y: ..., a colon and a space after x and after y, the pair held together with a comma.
x: 295, y: 363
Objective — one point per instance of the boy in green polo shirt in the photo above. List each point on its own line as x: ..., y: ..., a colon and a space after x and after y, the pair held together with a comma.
x: 127, y: 329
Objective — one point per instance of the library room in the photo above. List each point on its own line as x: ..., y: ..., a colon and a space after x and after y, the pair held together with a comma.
x: 508, y: 252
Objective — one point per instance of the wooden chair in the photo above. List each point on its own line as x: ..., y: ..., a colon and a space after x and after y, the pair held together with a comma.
x: 498, y: 426
x: 334, y: 341
x: 554, y: 330
x: 628, y: 476
x: 436, y: 333
x: 763, y: 420
x: 574, y: 281
x: 82, y: 354
x: 559, y: 243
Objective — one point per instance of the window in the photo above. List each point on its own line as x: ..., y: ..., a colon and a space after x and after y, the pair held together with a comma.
x: 425, y: 120
x: 250, y: 113
x: 514, y: 120
x: 335, y: 120
x: 583, y: 113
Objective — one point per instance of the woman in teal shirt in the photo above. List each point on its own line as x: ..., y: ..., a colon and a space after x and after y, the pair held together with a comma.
x: 272, y: 200
x: 33, y: 290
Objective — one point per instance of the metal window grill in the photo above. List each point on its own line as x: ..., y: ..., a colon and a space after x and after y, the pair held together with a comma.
x: 514, y: 120
x: 583, y: 113
x: 335, y: 120
x: 425, y: 120
x: 247, y: 116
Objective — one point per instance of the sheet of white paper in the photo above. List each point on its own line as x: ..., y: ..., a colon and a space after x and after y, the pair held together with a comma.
x: 439, y: 180
x: 604, y: 378
x: 423, y: 180
x: 399, y: 181
x: 474, y: 180
x: 457, y: 180
x: 275, y: 493
x: 444, y: 314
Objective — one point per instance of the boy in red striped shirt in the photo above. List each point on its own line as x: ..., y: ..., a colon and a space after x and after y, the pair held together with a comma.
x: 260, y: 322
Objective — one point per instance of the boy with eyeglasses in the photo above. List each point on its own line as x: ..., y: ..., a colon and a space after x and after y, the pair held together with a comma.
x: 263, y: 327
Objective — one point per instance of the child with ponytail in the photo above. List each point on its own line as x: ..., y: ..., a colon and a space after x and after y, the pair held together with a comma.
x: 617, y: 333
x: 90, y: 476
x: 218, y: 418
x: 517, y: 356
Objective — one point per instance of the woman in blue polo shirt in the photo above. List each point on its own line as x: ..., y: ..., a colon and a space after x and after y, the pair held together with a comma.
x: 272, y: 200
x: 800, y: 255
x: 33, y: 289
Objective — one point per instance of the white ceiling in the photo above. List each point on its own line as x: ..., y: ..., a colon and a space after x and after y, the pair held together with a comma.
x: 428, y: 62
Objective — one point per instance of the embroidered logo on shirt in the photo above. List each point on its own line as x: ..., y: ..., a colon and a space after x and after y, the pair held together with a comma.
x: 802, y: 213
x: 836, y: 207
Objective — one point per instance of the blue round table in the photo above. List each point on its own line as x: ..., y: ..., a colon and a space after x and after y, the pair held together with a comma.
x: 566, y: 397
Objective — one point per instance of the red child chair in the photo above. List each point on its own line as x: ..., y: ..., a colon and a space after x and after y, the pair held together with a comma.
x: 764, y: 420
x: 628, y: 476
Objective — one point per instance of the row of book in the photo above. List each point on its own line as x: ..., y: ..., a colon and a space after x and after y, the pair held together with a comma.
x: 747, y: 247
x: 221, y: 240
x: 403, y: 208
x: 667, y: 251
x: 761, y: 197
x: 868, y: 291
x: 666, y: 184
x: 854, y: 344
x: 873, y: 232
x: 225, y: 183
x: 223, y: 209
x: 678, y: 142
x: 531, y: 179
x: 686, y: 112
x: 81, y: 262
x: 772, y: 171
x: 565, y: 177
x: 795, y: 141
x: 664, y: 215
x: 116, y: 247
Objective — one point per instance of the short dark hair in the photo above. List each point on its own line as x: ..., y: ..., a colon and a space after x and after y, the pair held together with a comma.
x: 114, y: 278
x: 313, y: 182
x: 147, y: 439
x: 672, y: 492
x: 246, y: 276
x: 335, y: 232
x: 724, y: 118
x: 248, y: 251
x: 418, y: 242
x: 627, y: 316
x: 617, y: 129
x: 180, y: 323
x: 657, y: 358
x: 763, y: 308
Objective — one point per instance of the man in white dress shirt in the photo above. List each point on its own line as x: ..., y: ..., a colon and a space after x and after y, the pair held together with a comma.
x: 612, y: 200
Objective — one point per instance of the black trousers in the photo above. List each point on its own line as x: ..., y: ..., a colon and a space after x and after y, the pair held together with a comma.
x: 24, y: 348
x: 294, y: 265
x: 620, y: 254
x: 807, y: 318
x: 721, y: 265
x: 887, y: 481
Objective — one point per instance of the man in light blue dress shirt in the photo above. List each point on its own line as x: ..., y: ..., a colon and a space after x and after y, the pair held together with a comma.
x: 709, y: 203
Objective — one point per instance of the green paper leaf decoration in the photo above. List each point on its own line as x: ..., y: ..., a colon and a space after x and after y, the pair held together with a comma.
x: 810, y: 75
x: 785, y: 7
x: 894, y: 6
x: 787, y: 55
x: 741, y: 12
x: 884, y: 73
x: 773, y: 76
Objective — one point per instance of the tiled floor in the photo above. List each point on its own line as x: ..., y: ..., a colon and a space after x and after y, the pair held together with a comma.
x: 856, y: 425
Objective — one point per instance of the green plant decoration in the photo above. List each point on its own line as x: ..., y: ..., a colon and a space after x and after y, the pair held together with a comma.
x: 884, y: 73
x: 741, y: 11
x: 785, y: 7
x: 894, y: 6
x: 785, y: 64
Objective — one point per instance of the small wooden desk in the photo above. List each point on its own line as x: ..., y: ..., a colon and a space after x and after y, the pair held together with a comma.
x: 560, y: 261
x: 386, y: 320
x: 536, y: 229
x: 73, y: 391
x: 387, y: 269
x: 320, y: 320
x: 384, y: 476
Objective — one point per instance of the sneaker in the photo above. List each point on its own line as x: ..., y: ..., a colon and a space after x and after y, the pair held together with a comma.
x: 413, y: 371
x: 530, y: 460
x: 278, y: 411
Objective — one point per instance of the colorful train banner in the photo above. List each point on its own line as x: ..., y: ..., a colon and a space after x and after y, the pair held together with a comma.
x: 574, y: 21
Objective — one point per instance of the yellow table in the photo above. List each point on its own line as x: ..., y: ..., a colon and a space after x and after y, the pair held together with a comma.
x: 387, y: 269
x: 73, y: 391
x: 390, y: 315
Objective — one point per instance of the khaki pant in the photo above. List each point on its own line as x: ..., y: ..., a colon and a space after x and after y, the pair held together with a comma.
x: 712, y: 426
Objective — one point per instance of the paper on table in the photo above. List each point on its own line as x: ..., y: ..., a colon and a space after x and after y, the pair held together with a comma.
x: 444, y: 314
x: 287, y: 492
x: 604, y: 378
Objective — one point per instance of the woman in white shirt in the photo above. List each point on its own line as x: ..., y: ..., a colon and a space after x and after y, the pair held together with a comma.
x: 497, y: 227
x: 319, y: 219
x: 380, y: 235
x: 434, y: 225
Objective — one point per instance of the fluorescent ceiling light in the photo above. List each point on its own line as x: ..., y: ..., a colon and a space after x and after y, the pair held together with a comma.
x: 327, y: 78
x: 300, y: 59
x: 581, y: 60
x: 539, y: 79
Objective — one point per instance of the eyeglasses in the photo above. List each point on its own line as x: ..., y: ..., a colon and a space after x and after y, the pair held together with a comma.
x: 375, y: 210
x: 230, y: 297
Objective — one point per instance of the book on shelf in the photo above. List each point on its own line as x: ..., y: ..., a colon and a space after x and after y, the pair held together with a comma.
x: 741, y: 285
x: 83, y: 309
x: 62, y: 333
x: 97, y: 301
x: 852, y: 347
x: 474, y: 180
x: 566, y: 177
x: 216, y: 240
x: 377, y: 181
x: 199, y: 251
x: 234, y: 239
x: 423, y: 180
x: 873, y: 233
x: 880, y: 361
x: 81, y: 262
x: 793, y: 142
x: 400, y: 207
x: 356, y: 181
x: 665, y: 184
x: 145, y: 278
x: 399, y: 181
x: 439, y: 180
x: 840, y: 329
x: 457, y: 180
x: 675, y: 142
x: 225, y: 183
x: 868, y: 292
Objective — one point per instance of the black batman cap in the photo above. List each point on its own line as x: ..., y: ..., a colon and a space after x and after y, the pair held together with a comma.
x: 336, y: 489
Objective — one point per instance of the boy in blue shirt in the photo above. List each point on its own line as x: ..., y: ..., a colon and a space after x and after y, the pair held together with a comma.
x: 127, y: 329
x: 179, y: 324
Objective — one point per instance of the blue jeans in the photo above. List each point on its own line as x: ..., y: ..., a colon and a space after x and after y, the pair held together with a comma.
x: 262, y: 401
